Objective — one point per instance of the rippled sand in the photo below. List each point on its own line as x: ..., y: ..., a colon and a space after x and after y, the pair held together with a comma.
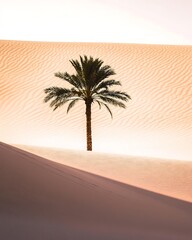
x: 157, y: 121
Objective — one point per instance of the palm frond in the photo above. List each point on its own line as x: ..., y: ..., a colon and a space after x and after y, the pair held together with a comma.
x: 115, y: 95
x: 72, y: 104
x: 77, y: 66
x: 58, y: 103
x: 89, y: 70
x: 56, y: 92
x: 104, y: 72
x: 105, y: 84
x: 60, y: 96
x: 101, y: 103
x: 112, y: 101
x: 72, y: 79
x: 65, y: 76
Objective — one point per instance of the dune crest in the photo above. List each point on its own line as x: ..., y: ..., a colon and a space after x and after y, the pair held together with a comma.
x: 168, y: 177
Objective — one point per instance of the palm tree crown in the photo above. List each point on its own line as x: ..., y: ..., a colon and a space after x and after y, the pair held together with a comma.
x: 91, y: 84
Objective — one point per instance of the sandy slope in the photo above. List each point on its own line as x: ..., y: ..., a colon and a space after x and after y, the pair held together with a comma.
x: 41, y: 199
x: 157, y: 122
x: 169, y: 177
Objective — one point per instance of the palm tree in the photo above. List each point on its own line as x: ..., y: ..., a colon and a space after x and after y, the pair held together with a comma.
x: 90, y: 83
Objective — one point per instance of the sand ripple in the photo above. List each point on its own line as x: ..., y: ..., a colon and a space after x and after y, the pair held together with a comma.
x: 158, y: 78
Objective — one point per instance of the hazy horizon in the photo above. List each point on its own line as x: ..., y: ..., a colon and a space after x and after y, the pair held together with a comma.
x: 151, y: 22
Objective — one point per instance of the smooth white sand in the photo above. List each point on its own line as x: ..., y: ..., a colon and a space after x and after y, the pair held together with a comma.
x: 41, y: 199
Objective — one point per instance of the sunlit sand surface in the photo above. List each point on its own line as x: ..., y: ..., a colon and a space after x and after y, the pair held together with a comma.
x: 157, y: 121
x: 42, y: 199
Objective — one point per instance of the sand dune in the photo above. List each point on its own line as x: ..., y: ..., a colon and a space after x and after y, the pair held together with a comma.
x: 168, y: 177
x: 157, y: 121
x: 41, y: 199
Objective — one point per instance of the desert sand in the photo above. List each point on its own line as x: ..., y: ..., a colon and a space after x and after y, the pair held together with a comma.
x: 157, y: 121
x: 48, y: 193
x: 42, y: 199
x: 169, y: 177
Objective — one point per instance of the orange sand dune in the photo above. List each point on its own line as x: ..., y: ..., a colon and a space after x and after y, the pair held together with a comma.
x: 157, y: 121
x: 41, y: 199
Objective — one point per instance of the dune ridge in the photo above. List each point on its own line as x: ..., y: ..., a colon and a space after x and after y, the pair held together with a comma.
x: 41, y: 199
x: 157, y: 121
x: 168, y: 177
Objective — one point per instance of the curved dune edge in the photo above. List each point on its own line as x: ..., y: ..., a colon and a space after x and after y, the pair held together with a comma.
x: 169, y: 177
x: 41, y: 199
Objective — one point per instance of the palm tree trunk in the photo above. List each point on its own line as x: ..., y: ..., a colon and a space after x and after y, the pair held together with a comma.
x: 88, y: 122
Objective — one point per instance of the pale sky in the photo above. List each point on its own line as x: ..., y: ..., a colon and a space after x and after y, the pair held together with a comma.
x: 123, y: 21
